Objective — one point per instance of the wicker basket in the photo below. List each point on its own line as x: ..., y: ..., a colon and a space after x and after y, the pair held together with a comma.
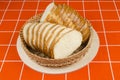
x: 45, y: 61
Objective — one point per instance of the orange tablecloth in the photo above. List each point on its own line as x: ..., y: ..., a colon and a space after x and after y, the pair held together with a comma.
x: 103, y: 15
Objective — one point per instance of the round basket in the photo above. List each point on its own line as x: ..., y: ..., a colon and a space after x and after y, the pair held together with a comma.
x: 45, y: 61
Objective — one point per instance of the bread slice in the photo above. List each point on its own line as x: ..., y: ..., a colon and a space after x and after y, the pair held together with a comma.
x: 47, y: 12
x: 35, y: 34
x: 48, y: 38
x: 40, y: 35
x: 31, y: 34
x: 54, y: 40
x: 55, y: 32
x: 65, y: 15
x: 67, y: 44
x: 26, y: 26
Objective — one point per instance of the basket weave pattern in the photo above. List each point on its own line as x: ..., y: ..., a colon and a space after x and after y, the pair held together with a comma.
x: 76, y: 56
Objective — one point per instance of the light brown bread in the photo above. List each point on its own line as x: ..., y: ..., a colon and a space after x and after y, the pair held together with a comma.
x: 56, y: 41
x: 65, y: 15
x: 44, y: 60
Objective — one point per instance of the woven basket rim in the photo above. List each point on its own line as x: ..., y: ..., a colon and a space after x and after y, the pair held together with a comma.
x: 73, y: 56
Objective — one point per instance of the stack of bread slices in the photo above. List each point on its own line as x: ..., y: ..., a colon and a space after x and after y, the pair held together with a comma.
x: 64, y: 15
x: 59, y: 33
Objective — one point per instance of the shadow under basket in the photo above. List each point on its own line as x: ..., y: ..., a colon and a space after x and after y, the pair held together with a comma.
x: 43, y: 60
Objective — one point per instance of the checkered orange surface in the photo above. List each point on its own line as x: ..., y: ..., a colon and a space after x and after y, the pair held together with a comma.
x: 104, y: 16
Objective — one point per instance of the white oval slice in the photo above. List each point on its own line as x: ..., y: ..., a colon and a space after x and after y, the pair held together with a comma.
x: 25, y: 29
x: 63, y: 32
x: 47, y: 12
x: 67, y: 44
x: 54, y: 35
x: 48, y: 38
x: 31, y: 34
x: 35, y: 34
x: 61, y: 41
x: 50, y: 31
x: 47, y: 28
x: 40, y: 31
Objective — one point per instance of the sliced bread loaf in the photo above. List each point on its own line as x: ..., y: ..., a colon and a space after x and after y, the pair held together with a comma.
x: 65, y: 15
x: 54, y: 40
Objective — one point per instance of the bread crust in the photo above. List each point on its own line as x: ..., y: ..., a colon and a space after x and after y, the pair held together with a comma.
x: 42, y: 60
x: 64, y: 15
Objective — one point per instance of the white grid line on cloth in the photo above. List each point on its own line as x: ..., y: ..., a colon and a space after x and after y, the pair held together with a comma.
x: 11, y: 38
x: 116, y: 10
x: 43, y: 76
x: 20, y: 77
x: 8, y: 31
x: 5, y: 11
x: 83, y: 8
x: 106, y: 41
x: 108, y: 31
x: 7, y: 45
x: 88, y: 68
x: 43, y: 10
x: 66, y: 77
x: 89, y: 20
x: 118, y: 45
x: 37, y: 7
x: 59, y: 1
x: 88, y: 72
x: 11, y: 61
x: 104, y: 62
x: 89, y: 63
x: 68, y: 2
x: 105, y: 20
